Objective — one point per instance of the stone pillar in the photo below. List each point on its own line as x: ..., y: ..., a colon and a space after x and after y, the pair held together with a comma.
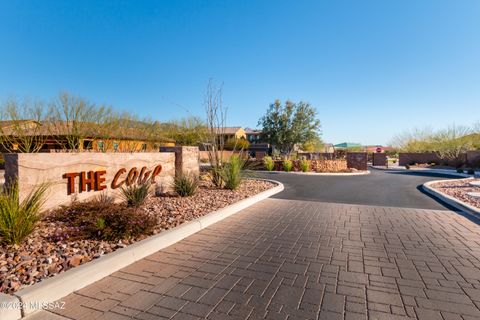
x: 186, y: 159
x: 380, y: 159
x: 357, y: 160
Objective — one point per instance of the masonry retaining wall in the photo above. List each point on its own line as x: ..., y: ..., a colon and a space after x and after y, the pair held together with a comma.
x: 80, y: 176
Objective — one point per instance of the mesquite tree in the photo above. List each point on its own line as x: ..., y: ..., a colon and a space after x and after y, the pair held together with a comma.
x: 285, y: 125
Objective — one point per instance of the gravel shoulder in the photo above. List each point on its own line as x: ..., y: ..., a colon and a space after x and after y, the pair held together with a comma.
x: 46, y: 252
x: 460, y: 190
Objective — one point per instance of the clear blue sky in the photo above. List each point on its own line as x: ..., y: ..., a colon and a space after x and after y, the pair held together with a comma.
x: 371, y: 68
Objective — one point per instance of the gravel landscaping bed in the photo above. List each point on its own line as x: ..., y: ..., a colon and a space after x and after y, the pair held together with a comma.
x: 459, y: 189
x: 49, y: 251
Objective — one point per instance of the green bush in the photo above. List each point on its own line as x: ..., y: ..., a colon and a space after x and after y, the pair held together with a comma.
x: 232, y: 172
x: 101, y: 221
x: 459, y: 170
x: 269, y: 163
x: 471, y: 171
x: 185, y: 185
x: 287, y: 165
x: 136, y: 195
x: 18, y: 219
x: 304, y: 165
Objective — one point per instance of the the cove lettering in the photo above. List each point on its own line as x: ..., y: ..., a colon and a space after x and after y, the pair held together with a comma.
x: 95, y: 180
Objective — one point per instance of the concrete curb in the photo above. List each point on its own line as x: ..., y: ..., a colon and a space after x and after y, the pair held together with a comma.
x: 10, y: 307
x: 360, y: 173
x: 438, y: 171
x: 452, y: 201
x: 63, y: 284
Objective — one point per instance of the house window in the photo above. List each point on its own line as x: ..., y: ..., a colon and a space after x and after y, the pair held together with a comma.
x: 87, y: 144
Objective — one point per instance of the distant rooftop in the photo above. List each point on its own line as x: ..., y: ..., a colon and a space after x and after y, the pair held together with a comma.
x: 227, y: 130
x: 346, y: 145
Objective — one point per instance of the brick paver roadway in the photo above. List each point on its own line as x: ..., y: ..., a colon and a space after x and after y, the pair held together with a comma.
x: 288, y: 259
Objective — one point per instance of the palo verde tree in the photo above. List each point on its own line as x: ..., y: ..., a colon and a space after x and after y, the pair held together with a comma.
x: 22, y: 129
x: 73, y: 119
x: 285, y: 125
x: 451, y: 142
x: 447, y: 143
x: 189, y: 131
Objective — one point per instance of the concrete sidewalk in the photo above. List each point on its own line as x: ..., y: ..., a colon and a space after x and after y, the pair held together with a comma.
x: 287, y: 259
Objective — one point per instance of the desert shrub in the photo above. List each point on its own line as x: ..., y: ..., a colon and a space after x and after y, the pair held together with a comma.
x: 185, y: 185
x: 100, y: 221
x: 216, y: 176
x: 236, y: 144
x: 304, y: 165
x: 232, y: 172
x: 135, y: 195
x: 471, y: 171
x: 459, y: 170
x: 18, y: 219
x: 269, y: 163
x: 407, y: 166
x: 287, y: 165
x: 104, y: 199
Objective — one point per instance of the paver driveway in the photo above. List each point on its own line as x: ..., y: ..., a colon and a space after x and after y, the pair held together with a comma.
x: 293, y: 259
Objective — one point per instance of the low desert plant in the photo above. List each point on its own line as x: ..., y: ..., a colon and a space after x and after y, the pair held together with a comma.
x: 459, y: 170
x: 407, y: 166
x: 100, y: 221
x: 232, y: 172
x: 216, y: 175
x: 471, y: 171
x: 185, y: 185
x: 304, y: 165
x: 269, y: 163
x: 104, y: 199
x: 19, y: 218
x: 135, y: 195
x: 287, y: 165
x: 236, y: 144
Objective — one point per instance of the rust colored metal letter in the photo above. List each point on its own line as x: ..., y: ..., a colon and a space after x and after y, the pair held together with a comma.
x: 156, y: 172
x: 99, y: 180
x: 70, y: 181
x: 132, y: 176
x: 84, y: 181
x: 115, y: 183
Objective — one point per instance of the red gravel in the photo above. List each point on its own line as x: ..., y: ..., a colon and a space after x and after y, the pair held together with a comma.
x: 459, y: 189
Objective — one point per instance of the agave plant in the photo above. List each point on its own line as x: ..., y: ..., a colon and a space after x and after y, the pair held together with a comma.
x: 19, y: 218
